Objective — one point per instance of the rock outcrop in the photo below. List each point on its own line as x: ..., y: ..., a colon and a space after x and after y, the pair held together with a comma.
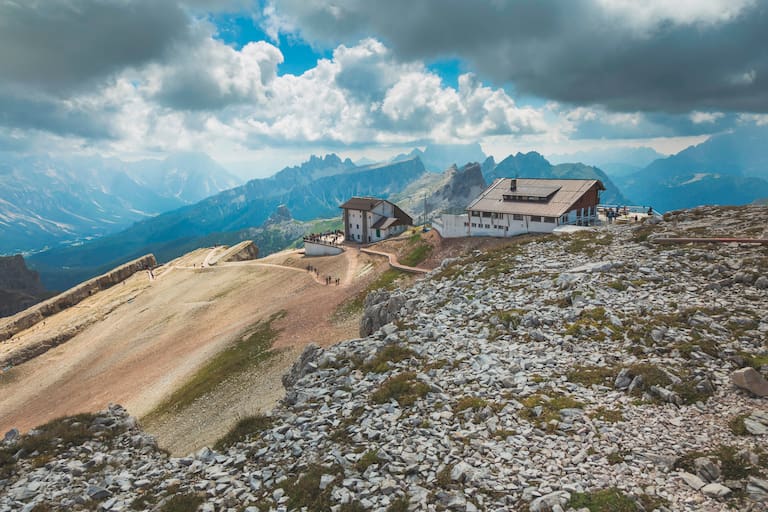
x: 20, y: 287
x: 29, y: 317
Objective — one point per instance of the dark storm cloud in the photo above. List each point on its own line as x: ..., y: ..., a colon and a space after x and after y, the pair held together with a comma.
x: 53, y: 116
x: 572, y: 51
x: 59, y: 46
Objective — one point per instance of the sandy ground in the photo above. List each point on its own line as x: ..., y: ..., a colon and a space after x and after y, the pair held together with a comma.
x: 146, y: 337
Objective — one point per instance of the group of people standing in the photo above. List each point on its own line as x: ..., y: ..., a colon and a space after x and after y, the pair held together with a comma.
x: 328, y: 279
x: 326, y: 237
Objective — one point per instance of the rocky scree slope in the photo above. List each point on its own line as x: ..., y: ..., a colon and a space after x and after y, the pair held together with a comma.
x: 560, y: 374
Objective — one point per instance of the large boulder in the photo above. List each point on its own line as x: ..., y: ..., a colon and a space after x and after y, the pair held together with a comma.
x: 751, y: 380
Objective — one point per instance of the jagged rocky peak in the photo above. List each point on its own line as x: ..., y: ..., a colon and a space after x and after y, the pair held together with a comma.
x: 329, y: 160
x: 14, y: 275
x: 281, y: 214
x: 20, y: 287
x: 461, y: 183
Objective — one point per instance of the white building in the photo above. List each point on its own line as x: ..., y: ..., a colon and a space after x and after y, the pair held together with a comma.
x: 514, y: 206
x: 370, y: 219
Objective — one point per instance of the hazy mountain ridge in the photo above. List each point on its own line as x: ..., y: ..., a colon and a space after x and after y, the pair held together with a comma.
x: 46, y: 200
x: 730, y: 168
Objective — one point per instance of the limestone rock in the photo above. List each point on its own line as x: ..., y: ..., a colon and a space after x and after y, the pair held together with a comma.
x: 751, y: 380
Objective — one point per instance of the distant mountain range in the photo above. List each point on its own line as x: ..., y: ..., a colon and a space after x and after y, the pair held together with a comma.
x: 729, y: 169
x: 46, y: 200
x: 314, y: 189
x: 615, y: 161
x: 310, y: 191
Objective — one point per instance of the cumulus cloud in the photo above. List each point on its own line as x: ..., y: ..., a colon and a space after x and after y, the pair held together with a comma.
x: 213, y: 75
x: 650, y: 56
x: 705, y: 117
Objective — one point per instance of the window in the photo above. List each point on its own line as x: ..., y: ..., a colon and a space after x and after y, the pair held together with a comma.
x: 486, y: 214
x: 487, y: 226
x: 474, y: 225
x: 535, y: 218
x: 358, y: 226
x: 466, y: 224
x: 578, y: 213
x: 517, y: 216
x: 475, y: 214
x: 550, y: 220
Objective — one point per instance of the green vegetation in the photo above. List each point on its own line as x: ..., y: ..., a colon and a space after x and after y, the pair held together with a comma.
x: 736, y: 424
x: 387, y: 280
x: 392, y: 353
x: 243, y: 429
x: 54, y: 438
x: 592, y: 375
x: 733, y: 465
x: 245, y: 354
x: 546, y: 407
x: 605, y: 500
x: 182, y: 503
x: 470, y: 402
x: 607, y: 415
x: 398, y: 505
x: 653, y: 376
x: 496, y: 261
x: 341, y: 433
x: 417, y: 249
x: 305, y: 491
x: 368, y: 459
x: 593, y: 323
x: 404, y: 388
x: 587, y: 242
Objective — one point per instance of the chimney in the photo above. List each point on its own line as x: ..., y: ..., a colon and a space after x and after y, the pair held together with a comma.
x: 513, y: 184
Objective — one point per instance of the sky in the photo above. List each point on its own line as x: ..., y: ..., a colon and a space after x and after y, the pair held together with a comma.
x: 260, y: 84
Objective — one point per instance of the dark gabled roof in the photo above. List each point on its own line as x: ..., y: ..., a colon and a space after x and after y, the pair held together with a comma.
x: 367, y: 204
x: 364, y: 204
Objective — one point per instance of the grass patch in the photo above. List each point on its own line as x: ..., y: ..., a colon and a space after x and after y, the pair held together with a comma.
x: 392, y: 353
x: 368, y: 459
x: 403, y: 388
x: 587, y: 242
x: 182, y: 503
x: 592, y: 375
x: 736, y: 424
x: 470, y: 402
x: 244, y: 429
x: 546, y: 407
x: 341, y: 433
x: 732, y: 465
x: 653, y: 376
x: 607, y: 415
x: 398, y: 505
x: 250, y: 351
x: 387, y: 280
x: 54, y: 438
x: 305, y: 491
x: 605, y: 500
x: 418, y: 251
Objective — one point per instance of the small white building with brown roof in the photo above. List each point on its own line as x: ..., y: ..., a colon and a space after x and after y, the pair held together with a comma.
x: 513, y: 206
x: 370, y: 219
